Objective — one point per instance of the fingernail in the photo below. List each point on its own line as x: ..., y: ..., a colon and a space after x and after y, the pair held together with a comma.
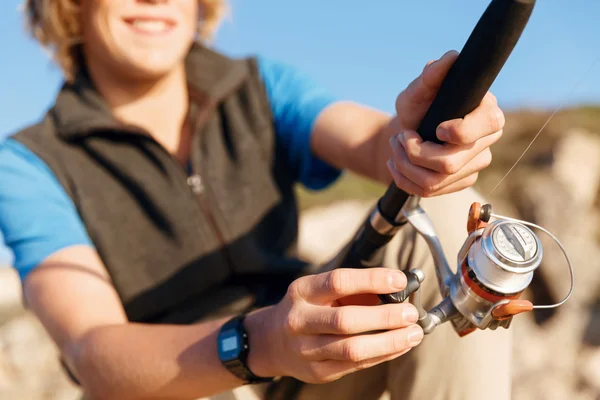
x: 401, y: 139
x: 410, y: 314
x: 415, y: 335
x: 442, y: 134
x: 398, y: 280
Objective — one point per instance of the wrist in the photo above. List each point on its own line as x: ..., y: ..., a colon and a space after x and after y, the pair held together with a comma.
x: 261, y: 359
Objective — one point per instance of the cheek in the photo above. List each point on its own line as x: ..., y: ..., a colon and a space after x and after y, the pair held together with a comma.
x: 190, y: 10
x: 93, y: 24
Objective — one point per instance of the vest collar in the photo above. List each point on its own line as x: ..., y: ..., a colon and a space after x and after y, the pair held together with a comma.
x: 80, y: 110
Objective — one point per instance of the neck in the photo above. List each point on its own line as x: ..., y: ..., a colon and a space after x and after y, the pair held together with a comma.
x: 159, y: 106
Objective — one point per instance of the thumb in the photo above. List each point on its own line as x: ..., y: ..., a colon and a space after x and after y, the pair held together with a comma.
x: 414, y: 101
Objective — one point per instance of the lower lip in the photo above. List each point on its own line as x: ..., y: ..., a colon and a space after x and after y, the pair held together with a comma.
x: 140, y: 30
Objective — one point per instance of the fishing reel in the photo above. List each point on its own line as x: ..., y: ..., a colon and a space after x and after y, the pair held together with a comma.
x: 494, y: 267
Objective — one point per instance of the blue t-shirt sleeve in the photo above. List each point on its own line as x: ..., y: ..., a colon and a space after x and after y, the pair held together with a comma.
x: 37, y: 217
x: 296, y: 102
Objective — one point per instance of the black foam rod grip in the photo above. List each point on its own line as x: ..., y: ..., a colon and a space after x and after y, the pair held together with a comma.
x: 471, y: 76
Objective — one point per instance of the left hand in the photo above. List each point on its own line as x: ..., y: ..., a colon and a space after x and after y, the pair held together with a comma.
x: 429, y: 169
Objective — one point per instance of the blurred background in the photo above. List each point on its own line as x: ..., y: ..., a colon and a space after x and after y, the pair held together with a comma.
x: 368, y: 54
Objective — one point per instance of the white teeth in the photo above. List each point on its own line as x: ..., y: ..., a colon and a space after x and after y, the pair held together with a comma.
x: 150, y: 26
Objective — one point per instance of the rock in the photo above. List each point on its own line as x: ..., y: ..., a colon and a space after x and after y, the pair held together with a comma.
x: 29, y: 366
x: 11, y: 297
x: 577, y: 165
x: 589, y: 367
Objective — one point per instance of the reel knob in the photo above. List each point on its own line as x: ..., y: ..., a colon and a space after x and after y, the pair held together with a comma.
x: 513, y: 307
x: 479, y: 216
x: 414, y: 278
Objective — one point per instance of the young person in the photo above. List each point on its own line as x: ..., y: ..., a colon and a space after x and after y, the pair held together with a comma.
x: 154, y: 203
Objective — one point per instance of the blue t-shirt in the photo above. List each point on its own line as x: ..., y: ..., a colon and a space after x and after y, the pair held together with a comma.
x: 38, y: 218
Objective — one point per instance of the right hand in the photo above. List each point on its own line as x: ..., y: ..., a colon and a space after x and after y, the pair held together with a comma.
x: 326, y: 325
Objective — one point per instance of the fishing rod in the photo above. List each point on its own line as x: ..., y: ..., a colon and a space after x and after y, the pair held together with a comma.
x: 498, y: 259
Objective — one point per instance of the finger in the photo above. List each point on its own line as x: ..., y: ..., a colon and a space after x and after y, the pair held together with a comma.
x: 457, y: 186
x: 485, y: 120
x: 350, y: 320
x: 342, y: 282
x: 363, y: 347
x: 401, y: 181
x: 331, y: 370
x: 412, y: 188
x: 412, y: 103
x: 446, y: 159
x: 431, y: 181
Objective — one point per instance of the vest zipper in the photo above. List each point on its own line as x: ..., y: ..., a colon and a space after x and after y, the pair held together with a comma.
x: 195, y: 183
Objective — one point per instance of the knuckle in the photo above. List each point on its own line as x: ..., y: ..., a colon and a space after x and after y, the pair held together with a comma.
x: 412, y: 155
x: 487, y: 158
x: 429, y: 193
x: 449, y: 166
x: 461, y: 135
x: 426, y: 192
x: 430, y: 185
x: 293, y: 290
x: 294, y: 323
x: 472, y: 179
x: 318, y: 373
x: 459, y: 132
x: 364, y: 364
x: 399, y: 343
x: 304, y: 350
x: 352, y: 351
x: 336, y: 281
x: 497, y: 120
x: 421, y: 192
x: 391, y: 318
x: 398, y: 102
x: 340, y: 322
x: 376, y: 277
x: 315, y: 371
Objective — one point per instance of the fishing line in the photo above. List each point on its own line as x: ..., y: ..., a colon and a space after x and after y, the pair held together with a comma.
x: 559, y: 108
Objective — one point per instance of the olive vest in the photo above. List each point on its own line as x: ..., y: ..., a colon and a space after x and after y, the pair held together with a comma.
x: 181, y: 246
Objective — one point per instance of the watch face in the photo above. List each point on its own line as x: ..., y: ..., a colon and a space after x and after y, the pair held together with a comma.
x: 229, y: 345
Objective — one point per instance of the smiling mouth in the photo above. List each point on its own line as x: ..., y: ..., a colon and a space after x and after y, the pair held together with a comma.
x: 151, y: 26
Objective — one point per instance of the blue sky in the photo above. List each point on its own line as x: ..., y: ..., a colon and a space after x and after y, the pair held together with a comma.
x: 366, y: 51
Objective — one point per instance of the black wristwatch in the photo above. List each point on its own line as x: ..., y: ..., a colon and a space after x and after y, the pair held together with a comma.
x: 233, y: 348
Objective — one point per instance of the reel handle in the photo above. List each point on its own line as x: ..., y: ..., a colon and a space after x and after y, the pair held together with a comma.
x: 414, y: 279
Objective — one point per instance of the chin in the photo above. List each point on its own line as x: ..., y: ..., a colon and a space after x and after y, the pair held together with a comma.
x: 152, y: 65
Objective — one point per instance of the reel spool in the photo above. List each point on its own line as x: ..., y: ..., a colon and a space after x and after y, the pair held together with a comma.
x: 497, y: 266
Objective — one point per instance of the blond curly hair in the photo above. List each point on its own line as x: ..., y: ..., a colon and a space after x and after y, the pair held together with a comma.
x: 55, y: 25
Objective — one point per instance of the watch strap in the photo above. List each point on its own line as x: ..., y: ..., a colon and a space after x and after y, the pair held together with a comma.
x: 239, y: 366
